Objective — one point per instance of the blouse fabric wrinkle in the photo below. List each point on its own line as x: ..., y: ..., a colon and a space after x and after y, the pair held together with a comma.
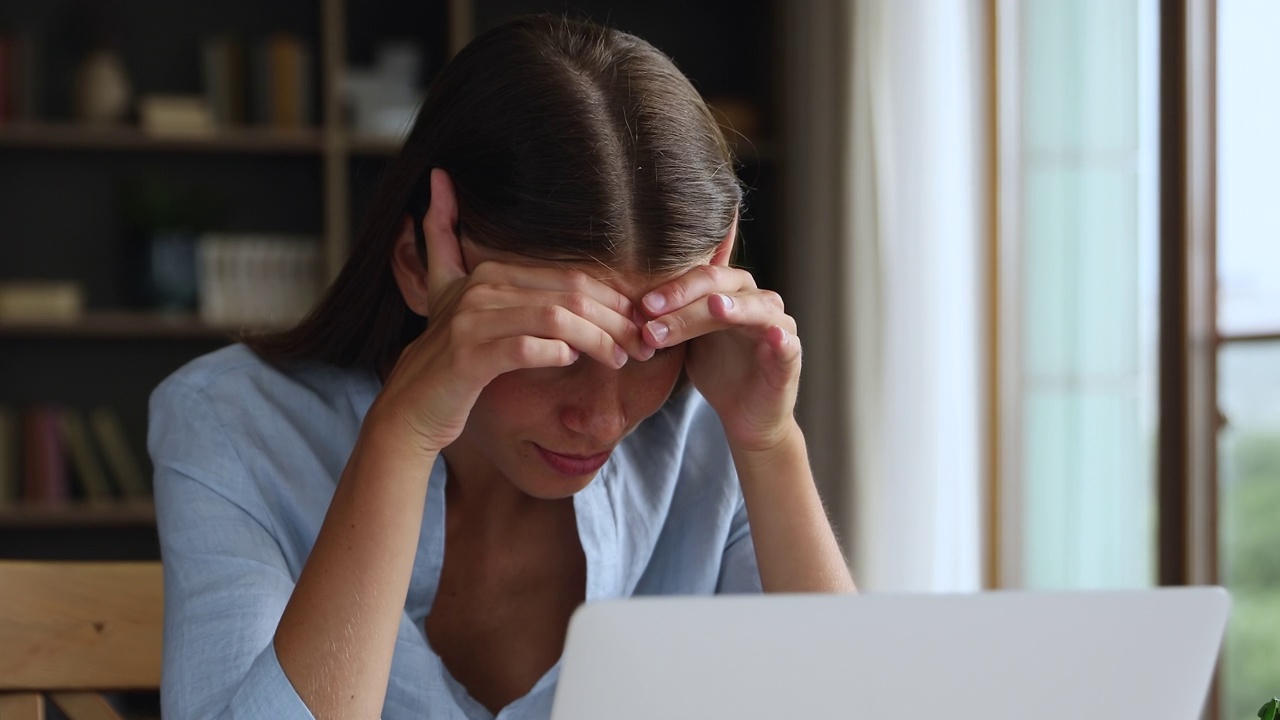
x: 247, y: 458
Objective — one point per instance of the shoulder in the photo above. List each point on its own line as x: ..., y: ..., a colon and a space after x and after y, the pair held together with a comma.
x: 272, y: 441
x: 236, y: 381
x: 233, y: 403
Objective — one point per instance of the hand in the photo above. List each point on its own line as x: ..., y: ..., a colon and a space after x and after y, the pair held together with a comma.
x: 743, y: 353
x: 495, y: 319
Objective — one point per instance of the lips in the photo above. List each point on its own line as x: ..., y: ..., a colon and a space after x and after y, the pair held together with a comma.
x: 573, y: 465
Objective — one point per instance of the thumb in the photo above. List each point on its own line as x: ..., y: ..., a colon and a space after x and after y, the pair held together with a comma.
x: 444, y: 253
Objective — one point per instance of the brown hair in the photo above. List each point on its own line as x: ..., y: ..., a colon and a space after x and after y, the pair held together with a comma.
x: 566, y: 141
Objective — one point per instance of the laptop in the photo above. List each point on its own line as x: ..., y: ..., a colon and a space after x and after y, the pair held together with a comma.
x: 994, y: 656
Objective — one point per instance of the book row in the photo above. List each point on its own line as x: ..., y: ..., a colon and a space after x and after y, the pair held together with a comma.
x: 51, y: 454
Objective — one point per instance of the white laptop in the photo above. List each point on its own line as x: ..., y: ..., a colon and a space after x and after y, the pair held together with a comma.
x: 990, y: 656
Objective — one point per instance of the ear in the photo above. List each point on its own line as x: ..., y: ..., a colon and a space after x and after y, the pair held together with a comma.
x: 416, y: 276
x: 724, y: 251
x: 409, y: 269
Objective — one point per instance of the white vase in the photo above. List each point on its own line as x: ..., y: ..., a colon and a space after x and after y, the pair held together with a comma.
x: 102, y: 87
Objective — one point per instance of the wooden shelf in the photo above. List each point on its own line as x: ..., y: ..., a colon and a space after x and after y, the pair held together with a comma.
x: 75, y: 136
x: 123, y: 326
x: 119, y: 513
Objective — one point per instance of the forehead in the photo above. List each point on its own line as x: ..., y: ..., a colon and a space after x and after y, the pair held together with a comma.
x: 634, y: 285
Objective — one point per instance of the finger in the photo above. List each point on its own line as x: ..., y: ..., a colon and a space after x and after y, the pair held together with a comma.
x: 753, y: 310
x: 778, y: 355
x: 698, y: 282
x: 555, y: 279
x: 623, y: 329
x: 785, y: 345
x: 444, y: 253
x: 551, y: 322
x: 523, y: 352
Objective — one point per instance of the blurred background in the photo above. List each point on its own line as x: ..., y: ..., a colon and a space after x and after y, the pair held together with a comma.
x: 1032, y: 246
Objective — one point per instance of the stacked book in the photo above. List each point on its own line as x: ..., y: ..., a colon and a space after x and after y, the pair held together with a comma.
x: 258, y: 280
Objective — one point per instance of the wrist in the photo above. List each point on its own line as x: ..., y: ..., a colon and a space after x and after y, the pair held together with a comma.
x: 782, y: 447
x: 391, y: 431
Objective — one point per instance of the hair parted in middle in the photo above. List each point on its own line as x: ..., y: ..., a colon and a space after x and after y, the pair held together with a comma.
x: 566, y: 141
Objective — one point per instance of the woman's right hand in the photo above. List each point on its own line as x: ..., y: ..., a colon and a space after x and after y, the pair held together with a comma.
x: 495, y: 319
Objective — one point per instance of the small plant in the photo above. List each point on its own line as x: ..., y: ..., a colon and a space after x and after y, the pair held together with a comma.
x: 1271, y: 710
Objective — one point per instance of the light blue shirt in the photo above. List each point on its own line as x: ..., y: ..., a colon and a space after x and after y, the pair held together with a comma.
x: 247, y: 459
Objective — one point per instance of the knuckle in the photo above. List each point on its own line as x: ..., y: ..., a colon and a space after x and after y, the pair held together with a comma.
x: 474, y: 294
x: 677, y: 293
x: 485, y: 270
x: 524, y: 350
x: 578, y: 280
x: 578, y: 302
x: 555, y: 316
x: 775, y: 300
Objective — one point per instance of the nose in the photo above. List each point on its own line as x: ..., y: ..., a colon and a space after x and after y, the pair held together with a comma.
x: 596, y: 408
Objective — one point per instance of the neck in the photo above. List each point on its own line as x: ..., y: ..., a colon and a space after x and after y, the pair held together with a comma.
x: 482, y: 499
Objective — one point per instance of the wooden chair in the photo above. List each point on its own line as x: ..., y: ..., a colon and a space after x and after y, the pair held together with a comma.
x: 71, y: 629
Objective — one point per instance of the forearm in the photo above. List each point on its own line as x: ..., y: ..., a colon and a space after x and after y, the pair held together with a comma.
x: 337, y: 635
x: 795, y: 548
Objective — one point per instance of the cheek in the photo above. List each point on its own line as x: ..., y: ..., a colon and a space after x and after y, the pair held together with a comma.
x: 512, y: 400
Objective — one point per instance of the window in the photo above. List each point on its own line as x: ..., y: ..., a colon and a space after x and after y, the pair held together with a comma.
x: 1248, y: 257
x: 1079, y: 144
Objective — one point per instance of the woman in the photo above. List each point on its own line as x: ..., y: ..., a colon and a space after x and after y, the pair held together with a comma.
x: 373, y: 514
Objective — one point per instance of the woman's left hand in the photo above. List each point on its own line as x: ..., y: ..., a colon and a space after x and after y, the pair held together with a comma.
x: 743, y: 353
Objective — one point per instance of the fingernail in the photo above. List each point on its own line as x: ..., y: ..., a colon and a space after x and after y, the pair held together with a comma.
x: 619, y: 356
x: 728, y: 301
x: 658, y: 331
x: 655, y: 302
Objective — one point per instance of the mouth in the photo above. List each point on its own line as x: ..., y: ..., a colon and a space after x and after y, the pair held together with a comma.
x: 573, y: 465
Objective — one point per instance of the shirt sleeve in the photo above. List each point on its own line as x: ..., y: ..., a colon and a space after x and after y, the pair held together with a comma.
x: 739, y: 572
x: 225, y: 577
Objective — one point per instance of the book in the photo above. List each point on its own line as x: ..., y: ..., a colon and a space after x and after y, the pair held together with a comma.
x: 89, y: 471
x: 28, y: 76
x: 44, y: 467
x: 224, y: 69
x: 10, y: 484
x: 41, y: 301
x: 175, y: 115
x: 282, y: 71
x: 284, y: 57
x: 120, y: 459
x: 7, y: 92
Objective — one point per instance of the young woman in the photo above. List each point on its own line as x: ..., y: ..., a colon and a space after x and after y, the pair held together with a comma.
x: 536, y: 383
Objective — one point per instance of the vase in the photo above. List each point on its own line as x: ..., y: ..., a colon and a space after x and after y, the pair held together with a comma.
x: 102, y: 89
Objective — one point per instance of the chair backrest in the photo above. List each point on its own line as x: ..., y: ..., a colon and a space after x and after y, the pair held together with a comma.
x: 71, y: 629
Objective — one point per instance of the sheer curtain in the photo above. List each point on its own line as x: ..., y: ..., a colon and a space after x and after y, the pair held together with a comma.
x: 887, y: 245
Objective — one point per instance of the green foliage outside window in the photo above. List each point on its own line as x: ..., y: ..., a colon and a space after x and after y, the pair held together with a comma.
x: 1251, y: 569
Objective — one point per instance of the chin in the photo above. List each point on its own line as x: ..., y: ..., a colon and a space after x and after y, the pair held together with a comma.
x: 550, y: 486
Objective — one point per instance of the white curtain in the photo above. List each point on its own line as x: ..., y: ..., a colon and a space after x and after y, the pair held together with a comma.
x: 887, y: 235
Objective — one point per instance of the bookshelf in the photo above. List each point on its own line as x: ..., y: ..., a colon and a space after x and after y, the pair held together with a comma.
x: 120, y: 325
x: 61, y: 216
